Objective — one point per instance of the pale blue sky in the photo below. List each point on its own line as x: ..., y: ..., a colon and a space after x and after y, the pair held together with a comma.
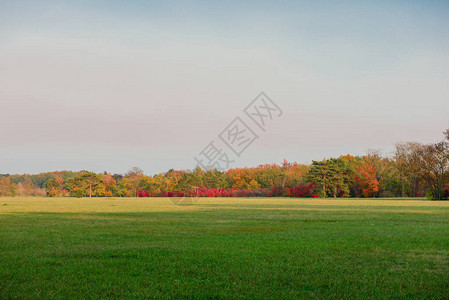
x: 117, y: 84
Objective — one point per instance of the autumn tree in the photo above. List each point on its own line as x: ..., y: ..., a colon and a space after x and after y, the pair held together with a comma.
x: 365, y: 178
x: 5, y: 184
x: 174, y: 176
x: 133, y: 180
x: 27, y: 188
x: 13, y: 189
x: 91, y: 181
x: 294, y: 173
x: 269, y: 176
x: 253, y: 185
x: 216, y: 179
x: 193, y: 179
x: 109, y: 184
x: 52, y: 187
x: 240, y: 178
x: 86, y: 183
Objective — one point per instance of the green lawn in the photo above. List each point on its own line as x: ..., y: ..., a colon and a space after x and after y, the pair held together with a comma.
x: 223, y: 248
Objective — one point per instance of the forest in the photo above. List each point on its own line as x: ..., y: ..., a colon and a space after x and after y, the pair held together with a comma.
x: 413, y: 170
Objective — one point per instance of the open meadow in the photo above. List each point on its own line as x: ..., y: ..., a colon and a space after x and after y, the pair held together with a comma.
x: 223, y: 248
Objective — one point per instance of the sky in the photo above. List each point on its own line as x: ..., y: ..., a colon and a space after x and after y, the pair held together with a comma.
x: 109, y: 85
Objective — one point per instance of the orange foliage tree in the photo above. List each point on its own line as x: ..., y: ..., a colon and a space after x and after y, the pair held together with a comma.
x: 365, y: 179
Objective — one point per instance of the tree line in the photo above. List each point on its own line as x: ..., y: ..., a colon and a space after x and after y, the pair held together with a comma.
x: 414, y: 170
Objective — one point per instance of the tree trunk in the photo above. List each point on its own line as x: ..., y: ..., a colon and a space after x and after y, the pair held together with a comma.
x: 403, y: 189
x: 324, y: 186
x: 90, y: 189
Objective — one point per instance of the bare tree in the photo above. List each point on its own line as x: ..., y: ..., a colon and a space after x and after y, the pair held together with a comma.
x: 435, y: 165
x: 408, y: 162
x: 134, y: 171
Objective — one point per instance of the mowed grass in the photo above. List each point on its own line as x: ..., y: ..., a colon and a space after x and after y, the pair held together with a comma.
x: 223, y: 248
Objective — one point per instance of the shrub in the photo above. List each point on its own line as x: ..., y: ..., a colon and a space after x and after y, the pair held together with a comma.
x: 277, y: 191
x: 211, y: 192
x: 446, y: 193
x: 432, y: 194
x: 301, y: 191
x: 143, y: 194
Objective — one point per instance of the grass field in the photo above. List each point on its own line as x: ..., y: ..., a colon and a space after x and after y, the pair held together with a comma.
x: 223, y: 248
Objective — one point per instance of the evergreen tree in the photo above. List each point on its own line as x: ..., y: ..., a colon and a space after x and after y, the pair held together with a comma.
x: 331, y: 177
